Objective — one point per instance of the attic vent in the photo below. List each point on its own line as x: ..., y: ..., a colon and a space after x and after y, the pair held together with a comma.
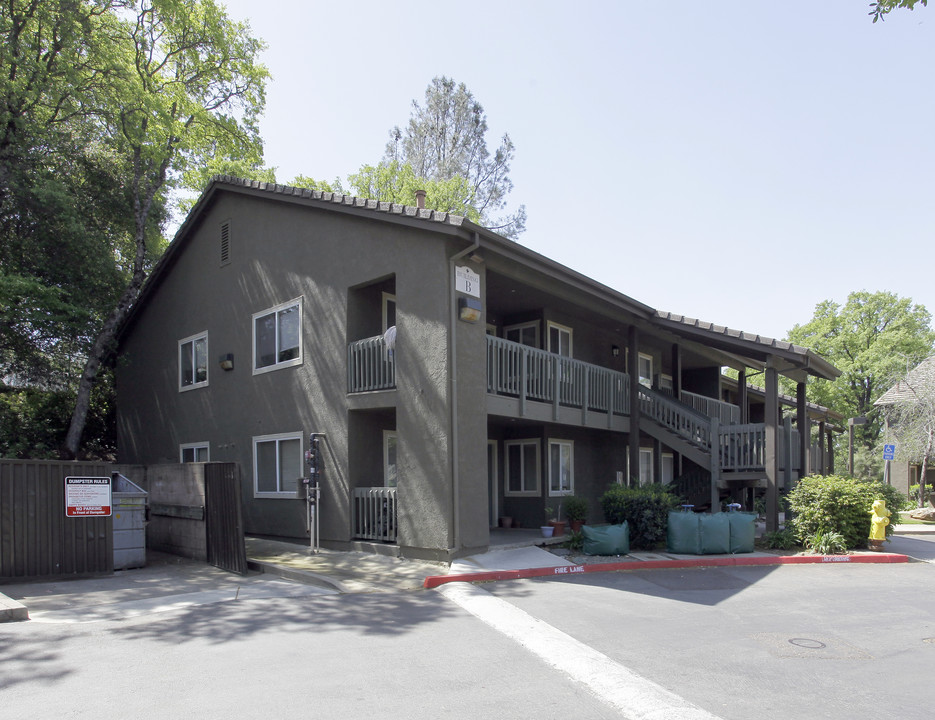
x: 225, y: 242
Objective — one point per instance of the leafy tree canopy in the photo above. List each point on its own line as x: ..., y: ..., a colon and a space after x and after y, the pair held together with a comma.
x: 870, y: 338
x: 880, y: 9
x: 444, y: 152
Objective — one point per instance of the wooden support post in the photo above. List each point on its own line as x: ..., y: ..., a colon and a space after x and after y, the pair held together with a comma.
x: 822, y: 460
x: 677, y: 371
x: 633, y: 365
x: 772, y: 460
x: 715, y: 465
x: 742, y: 397
x: 805, y: 435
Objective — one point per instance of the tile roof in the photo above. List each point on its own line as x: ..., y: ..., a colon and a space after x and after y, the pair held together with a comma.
x: 813, y: 362
x: 921, y: 376
x: 334, y: 198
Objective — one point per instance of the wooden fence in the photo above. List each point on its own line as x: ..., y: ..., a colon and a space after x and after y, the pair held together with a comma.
x: 36, y: 539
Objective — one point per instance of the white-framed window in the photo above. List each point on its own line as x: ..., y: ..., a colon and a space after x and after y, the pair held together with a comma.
x: 389, y: 311
x: 522, y: 467
x: 561, y: 467
x: 194, y: 452
x: 667, y: 471
x: 193, y: 362
x: 646, y: 466
x: 560, y: 339
x: 525, y: 333
x: 645, y: 363
x: 277, y: 464
x: 390, y: 478
x: 277, y: 337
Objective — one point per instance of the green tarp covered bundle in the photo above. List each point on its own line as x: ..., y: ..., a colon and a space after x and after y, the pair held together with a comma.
x: 703, y: 534
x: 606, y: 539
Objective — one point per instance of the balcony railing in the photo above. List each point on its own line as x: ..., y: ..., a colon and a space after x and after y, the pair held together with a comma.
x: 370, y: 366
x: 726, y: 413
x: 527, y: 373
x: 375, y: 513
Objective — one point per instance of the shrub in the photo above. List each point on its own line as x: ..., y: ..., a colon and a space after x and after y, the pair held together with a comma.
x: 914, y: 493
x: 576, y: 509
x: 832, y: 503
x: 645, y: 509
x: 780, y: 540
x: 826, y: 543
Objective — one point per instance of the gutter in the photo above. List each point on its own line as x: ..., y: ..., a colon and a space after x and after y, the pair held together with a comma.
x: 453, y: 370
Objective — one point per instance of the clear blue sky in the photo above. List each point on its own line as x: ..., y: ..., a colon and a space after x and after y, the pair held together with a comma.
x: 736, y: 161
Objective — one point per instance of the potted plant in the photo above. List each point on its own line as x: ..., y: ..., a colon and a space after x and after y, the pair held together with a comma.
x: 547, y: 529
x: 576, y: 512
x: 558, y: 525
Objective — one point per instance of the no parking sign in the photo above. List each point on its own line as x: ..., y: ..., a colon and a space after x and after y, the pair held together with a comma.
x: 88, y: 497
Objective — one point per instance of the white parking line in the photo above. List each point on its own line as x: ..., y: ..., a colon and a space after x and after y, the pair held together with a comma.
x: 633, y: 696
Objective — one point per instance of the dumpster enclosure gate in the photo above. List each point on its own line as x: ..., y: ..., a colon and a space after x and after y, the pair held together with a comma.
x: 224, y: 518
x: 36, y: 539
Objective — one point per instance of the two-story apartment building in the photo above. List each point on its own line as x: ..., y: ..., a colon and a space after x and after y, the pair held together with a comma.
x: 455, y: 376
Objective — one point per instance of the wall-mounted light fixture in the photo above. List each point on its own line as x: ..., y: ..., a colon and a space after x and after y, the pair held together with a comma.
x: 469, y: 309
x: 226, y: 361
x: 615, y: 350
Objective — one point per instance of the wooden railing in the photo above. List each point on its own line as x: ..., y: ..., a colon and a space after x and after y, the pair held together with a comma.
x: 686, y: 422
x: 370, y: 366
x: 527, y: 373
x: 726, y: 413
x: 375, y: 513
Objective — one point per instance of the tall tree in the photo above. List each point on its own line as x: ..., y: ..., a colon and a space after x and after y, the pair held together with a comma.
x: 445, y: 141
x: 880, y: 9
x: 60, y: 223
x: 184, y: 85
x: 869, y: 338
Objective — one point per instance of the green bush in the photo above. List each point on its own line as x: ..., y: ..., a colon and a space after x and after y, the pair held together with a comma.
x: 780, y: 540
x: 832, y: 503
x: 645, y: 509
x: 576, y: 508
x: 914, y: 493
x: 826, y: 543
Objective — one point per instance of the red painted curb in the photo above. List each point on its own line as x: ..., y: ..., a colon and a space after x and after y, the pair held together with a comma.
x: 434, y: 581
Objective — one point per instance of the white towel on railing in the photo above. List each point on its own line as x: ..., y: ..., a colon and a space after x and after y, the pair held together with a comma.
x: 389, y: 339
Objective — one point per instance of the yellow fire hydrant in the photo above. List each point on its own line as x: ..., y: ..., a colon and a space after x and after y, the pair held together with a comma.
x: 879, y: 519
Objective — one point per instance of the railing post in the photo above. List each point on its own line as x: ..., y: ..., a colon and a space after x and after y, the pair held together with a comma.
x: 522, y: 381
x: 715, y: 465
x: 556, y: 386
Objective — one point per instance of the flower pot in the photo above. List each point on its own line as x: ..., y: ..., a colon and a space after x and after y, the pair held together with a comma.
x: 559, y: 526
x: 506, y: 521
x: 576, y: 525
x: 547, y: 530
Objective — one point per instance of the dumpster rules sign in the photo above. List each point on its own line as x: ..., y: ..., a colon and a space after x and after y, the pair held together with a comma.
x: 87, y: 497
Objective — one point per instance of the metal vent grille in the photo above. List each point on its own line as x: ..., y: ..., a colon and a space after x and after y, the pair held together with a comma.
x: 225, y: 242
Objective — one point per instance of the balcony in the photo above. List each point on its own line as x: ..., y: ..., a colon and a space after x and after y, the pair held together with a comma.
x: 522, y: 374
x: 370, y: 366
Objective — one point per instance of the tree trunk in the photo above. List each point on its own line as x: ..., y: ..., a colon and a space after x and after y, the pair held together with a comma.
x: 100, y: 352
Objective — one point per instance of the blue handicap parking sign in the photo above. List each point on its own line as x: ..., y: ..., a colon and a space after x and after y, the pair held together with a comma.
x: 889, y: 452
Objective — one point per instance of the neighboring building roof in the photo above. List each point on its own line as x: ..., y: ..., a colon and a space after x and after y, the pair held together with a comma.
x: 921, y: 376
x: 794, y: 359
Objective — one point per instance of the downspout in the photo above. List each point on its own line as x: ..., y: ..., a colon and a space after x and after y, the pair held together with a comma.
x: 453, y: 369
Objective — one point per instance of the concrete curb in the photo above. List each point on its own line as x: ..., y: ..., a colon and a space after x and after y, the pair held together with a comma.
x: 302, y: 576
x: 11, y: 610
x: 434, y: 581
